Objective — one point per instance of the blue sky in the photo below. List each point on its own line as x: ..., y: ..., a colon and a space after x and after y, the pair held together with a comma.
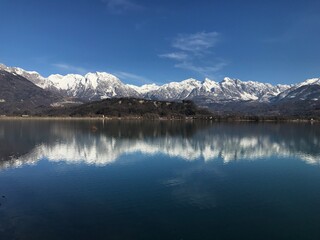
x: 144, y: 41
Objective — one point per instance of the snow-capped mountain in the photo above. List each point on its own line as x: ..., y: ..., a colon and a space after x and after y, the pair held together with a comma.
x: 101, y: 85
x: 20, y: 96
x: 236, y: 90
x: 306, y: 90
x: 32, y: 76
x: 173, y: 91
x: 226, y: 90
x: 145, y: 88
x: 92, y: 86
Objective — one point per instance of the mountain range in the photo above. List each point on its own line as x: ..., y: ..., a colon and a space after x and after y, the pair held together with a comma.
x: 228, y: 96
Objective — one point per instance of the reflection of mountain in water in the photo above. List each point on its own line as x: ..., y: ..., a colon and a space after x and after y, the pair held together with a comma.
x: 26, y: 142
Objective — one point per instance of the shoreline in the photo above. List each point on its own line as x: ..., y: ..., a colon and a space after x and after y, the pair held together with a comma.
x: 207, y: 119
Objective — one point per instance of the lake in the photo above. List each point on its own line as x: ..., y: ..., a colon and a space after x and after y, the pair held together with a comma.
x: 179, y: 180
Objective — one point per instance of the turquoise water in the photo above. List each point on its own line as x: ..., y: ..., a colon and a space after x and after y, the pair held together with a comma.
x: 159, y: 180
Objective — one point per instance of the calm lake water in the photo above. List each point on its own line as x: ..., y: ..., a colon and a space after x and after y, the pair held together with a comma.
x: 159, y: 180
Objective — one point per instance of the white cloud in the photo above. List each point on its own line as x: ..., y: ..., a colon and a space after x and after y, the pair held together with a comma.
x: 195, y: 53
x: 197, y: 43
x: 132, y: 77
x: 121, y: 6
x: 175, y: 55
x: 69, y: 68
x: 203, y: 70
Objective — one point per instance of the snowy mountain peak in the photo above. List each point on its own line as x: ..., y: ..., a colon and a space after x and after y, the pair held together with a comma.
x: 100, y: 85
x: 33, y: 76
x: 190, y: 81
x: 209, y: 85
x: 102, y: 76
x: 228, y: 80
x: 208, y: 80
x: 145, y: 88
x: 92, y: 86
x: 67, y: 82
x: 297, y: 90
x: 311, y: 81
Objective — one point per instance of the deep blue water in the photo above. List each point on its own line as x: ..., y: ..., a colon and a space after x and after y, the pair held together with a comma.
x: 159, y: 180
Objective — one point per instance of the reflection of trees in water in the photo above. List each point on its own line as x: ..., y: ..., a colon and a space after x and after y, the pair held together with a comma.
x: 137, y: 129
x: 19, y: 137
x: 74, y: 141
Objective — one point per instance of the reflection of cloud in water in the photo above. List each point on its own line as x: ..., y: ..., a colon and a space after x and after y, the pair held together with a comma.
x: 226, y: 142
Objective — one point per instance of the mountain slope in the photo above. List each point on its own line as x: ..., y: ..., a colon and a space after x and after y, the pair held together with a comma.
x: 19, y: 96
x: 306, y: 90
x: 32, y: 76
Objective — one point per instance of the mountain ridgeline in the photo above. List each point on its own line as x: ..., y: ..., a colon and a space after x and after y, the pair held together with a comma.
x: 225, y: 98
